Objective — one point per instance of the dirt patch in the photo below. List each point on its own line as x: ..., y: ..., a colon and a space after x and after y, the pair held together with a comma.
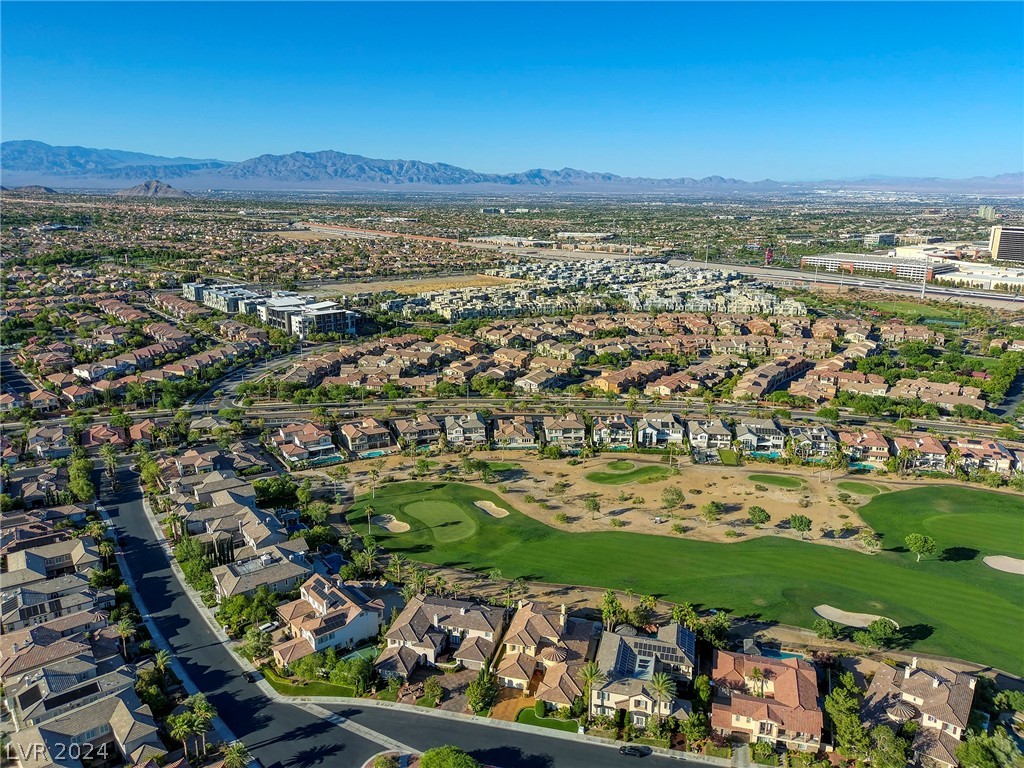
x: 389, y: 523
x: 847, y: 618
x: 1005, y: 564
x: 491, y: 508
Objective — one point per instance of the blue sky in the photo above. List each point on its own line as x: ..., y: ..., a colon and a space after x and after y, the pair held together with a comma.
x: 787, y: 91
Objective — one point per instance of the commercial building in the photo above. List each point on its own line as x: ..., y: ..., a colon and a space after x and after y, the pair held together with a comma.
x: 880, y: 239
x: 304, y: 316
x: 906, y: 268
x: 987, y: 212
x: 1007, y: 243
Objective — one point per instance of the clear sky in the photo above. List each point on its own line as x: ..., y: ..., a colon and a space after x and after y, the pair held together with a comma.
x: 788, y: 91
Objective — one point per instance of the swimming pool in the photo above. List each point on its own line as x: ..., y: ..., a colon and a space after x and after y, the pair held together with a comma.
x: 771, y: 653
x: 372, y: 454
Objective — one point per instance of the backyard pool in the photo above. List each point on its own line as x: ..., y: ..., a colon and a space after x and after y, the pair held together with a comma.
x: 772, y: 653
x: 372, y: 454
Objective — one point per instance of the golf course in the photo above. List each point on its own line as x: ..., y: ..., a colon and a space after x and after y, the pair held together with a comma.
x: 950, y: 603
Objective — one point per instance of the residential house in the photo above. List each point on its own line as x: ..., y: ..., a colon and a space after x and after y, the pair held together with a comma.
x: 366, y: 434
x: 29, y: 566
x: 760, y: 436
x: 468, y: 429
x: 51, y: 599
x: 925, y: 452
x: 544, y: 651
x: 431, y: 628
x: 981, y: 453
x: 938, y: 702
x: 767, y: 700
x: 300, y: 442
x: 422, y: 430
x: 328, y: 614
x: 658, y: 430
x: 568, y: 432
x: 761, y: 381
x: 709, y: 435
x: 813, y: 442
x: 539, y: 380
x: 50, y: 442
x: 628, y: 663
x: 278, y: 567
x: 515, y: 432
x: 613, y: 431
x: 103, y: 434
x: 868, y: 447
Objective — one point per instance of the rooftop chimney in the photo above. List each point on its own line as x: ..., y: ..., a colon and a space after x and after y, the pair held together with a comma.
x: 913, y: 663
x: 437, y: 620
x: 462, y: 611
x: 561, y: 616
x: 971, y: 681
x: 935, y: 682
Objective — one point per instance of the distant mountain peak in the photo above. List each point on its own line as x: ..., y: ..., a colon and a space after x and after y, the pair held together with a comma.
x: 152, y: 188
x: 33, y: 162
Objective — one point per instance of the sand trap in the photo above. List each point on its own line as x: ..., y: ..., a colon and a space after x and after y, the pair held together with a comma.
x: 847, y: 618
x: 491, y: 508
x: 1004, y: 563
x: 389, y: 523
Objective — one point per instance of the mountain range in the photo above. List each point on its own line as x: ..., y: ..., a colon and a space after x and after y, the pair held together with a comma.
x: 33, y: 162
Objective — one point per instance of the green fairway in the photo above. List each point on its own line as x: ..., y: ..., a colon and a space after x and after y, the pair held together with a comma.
x: 638, y: 475
x: 861, y: 489
x: 955, y: 606
x: 620, y: 465
x: 782, y: 481
x: 447, y: 521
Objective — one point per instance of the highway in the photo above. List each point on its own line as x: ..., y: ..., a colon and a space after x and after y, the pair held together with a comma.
x: 282, y: 735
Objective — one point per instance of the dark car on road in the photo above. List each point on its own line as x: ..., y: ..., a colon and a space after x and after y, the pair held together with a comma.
x: 632, y: 751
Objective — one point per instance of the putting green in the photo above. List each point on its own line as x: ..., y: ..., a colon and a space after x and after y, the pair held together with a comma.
x: 861, y: 489
x: 446, y: 520
x: 781, y: 481
x: 620, y: 465
x: 638, y: 475
x: 950, y: 604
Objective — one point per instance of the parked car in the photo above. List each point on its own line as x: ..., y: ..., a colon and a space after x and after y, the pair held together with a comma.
x: 632, y: 751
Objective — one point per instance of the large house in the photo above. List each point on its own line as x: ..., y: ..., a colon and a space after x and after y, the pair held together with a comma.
x: 469, y: 429
x: 299, y: 442
x: 869, y: 446
x: 658, y: 430
x: 279, y: 568
x: 543, y: 652
x: 630, y: 661
x: 762, y: 436
x: 569, y: 431
x: 767, y: 699
x: 613, y: 431
x: 708, y: 436
x: 423, y: 430
x: 939, y: 702
x: 816, y: 441
x: 925, y: 452
x: 430, y: 628
x: 515, y: 432
x: 328, y: 614
x: 366, y: 434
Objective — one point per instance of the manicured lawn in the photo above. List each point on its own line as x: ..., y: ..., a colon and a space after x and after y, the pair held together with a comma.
x: 638, y: 475
x: 861, y: 489
x: 620, y: 465
x: 286, y: 687
x: 529, y: 717
x: 729, y: 458
x: 502, y: 466
x: 957, y: 608
x: 913, y: 309
x: 449, y: 521
x: 782, y: 481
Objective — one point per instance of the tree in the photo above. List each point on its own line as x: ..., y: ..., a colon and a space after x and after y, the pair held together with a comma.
x: 887, y: 749
x: 236, y: 755
x: 433, y: 689
x: 106, y: 551
x: 800, y: 523
x: 711, y: 512
x: 702, y: 693
x: 125, y: 629
x: 593, y: 506
x: 611, y: 609
x: 844, y: 709
x: 672, y: 497
x: 590, y: 674
x: 482, y: 691
x: 162, y: 663
x: 447, y: 757
x: 318, y: 512
x: 980, y: 750
x: 203, y: 713
x: 825, y: 629
x: 757, y: 675
x: 257, y: 643
x: 758, y: 515
x: 109, y: 455
x: 686, y: 615
x: 181, y: 727
x: 920, y: 545
x: 663, y: 687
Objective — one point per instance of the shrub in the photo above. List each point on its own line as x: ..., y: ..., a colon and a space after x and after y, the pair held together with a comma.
x: 561, y: 518
x: 617, y: 523
x: 678, y: 528
x: 530, y: 498
x: 540, y: 709
x: 732, y: 534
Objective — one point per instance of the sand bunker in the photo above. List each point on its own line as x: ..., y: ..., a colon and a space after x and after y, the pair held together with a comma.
x: 389, y: 523
x: 491, y: 508
x: 1004, y: 563
x: 847, y: 618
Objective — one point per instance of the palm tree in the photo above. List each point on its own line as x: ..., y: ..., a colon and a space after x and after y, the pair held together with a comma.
x: 106, y: 550
x: 757, y: 675
x: 109, y: 455
x: 395, y: 564
x: 590, y: 675
x: 663, y: 686
x: 686, y: 615
x: 181, y: 727
x: 586, y: 452
x: 236, y: 755
x: 203, y: 713
x: 162, y: 663
x: 370, y: 512
x: 125, y: 629
x: 953, y: 459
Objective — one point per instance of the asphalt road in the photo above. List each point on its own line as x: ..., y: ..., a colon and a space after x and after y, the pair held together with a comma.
x: 284, y: 736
